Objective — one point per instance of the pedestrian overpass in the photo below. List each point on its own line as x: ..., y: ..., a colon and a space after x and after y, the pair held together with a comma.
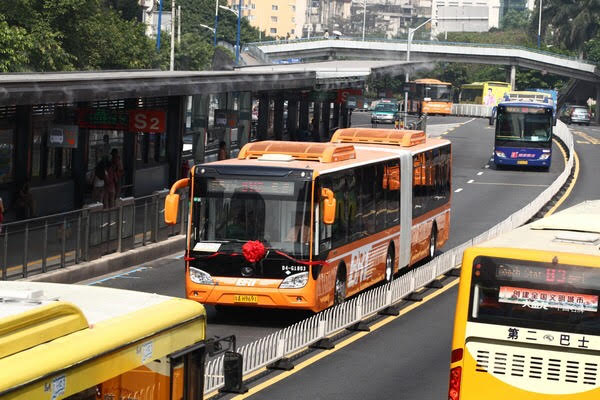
x: 319, y: 49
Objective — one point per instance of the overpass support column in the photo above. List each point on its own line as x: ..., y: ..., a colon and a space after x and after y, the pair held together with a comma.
x: 200, y: 106
x: 513, y: 77
x: 263, y: 117
x: 336, y: 115
x: 325, y: 116
x: 278, y: 117
x: 292, y: 118
x: 303, y: 122
x: 344, y: 123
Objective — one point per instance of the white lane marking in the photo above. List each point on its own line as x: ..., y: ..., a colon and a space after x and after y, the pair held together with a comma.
x: 122, y: 275
x: 458, y: 190
x: 480, y: 173
x: 492, y: 159
x: 470, y: 181
x: 508, y: 184
x: 487, y: 166
x: 179, y: 257
x: 472, y: 119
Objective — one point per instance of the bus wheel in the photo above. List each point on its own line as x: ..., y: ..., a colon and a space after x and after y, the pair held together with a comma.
x: 389, y: 265
x: 432, y: 242
x: 340, y: 286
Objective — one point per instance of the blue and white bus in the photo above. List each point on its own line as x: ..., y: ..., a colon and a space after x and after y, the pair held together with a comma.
x: 523, y: 134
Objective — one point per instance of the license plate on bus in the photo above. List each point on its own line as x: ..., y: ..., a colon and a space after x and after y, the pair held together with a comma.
x: 522, y: 162
x: 245, y: 298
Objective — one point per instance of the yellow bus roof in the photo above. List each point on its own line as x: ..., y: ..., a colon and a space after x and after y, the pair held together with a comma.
x: 490, y: 83
x: 574, y: 230
x: 84, y: 335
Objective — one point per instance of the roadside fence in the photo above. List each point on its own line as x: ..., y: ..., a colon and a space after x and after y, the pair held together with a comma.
x: 281, y: 344
x: 472, y: 110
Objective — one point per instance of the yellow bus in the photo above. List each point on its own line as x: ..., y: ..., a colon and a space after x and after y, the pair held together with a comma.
x: 430, y: 96
x: 61, y: 341
x: 489, y: 93
x: 306, y: 225
x: 527, y: 324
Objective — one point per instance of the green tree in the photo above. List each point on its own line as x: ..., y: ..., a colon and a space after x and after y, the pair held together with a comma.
x: 14, y: 46
x: 573, y: 22
x: 515, y: 20
x: 193, y: 54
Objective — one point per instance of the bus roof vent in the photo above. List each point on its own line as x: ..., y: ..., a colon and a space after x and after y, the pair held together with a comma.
x: 577, y: 237
x: 404, y: 138
x: 271, y: 150
x: 28, y: 320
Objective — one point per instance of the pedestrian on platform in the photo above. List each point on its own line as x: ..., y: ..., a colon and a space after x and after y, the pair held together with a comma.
x: 222, y: 151
x: 117, y: 167
x: 24, y: 203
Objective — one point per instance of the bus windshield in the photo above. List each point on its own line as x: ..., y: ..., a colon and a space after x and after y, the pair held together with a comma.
x: 471, y: 95
x: 524, y: 126
x: 275, y: 212
x: 535, y: 295
x: 386, y: 107
x: 438, y: 92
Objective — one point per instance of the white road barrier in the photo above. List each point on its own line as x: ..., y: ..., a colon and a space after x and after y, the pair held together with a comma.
x: 472, y: 110
x: 287, y: 341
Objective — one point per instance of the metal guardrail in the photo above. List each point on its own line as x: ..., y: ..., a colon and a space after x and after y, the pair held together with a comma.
x: 417, y: 42
x: 52, y: 242
x: 280, y: 344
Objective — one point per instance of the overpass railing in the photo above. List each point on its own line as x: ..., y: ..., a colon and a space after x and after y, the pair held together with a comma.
x: 281, y: 344
x: 44, y: 244
x: 424, y: 42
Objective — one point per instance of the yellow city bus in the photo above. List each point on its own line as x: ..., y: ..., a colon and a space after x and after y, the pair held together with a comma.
x: 430, y: 96
x: 80, y: 342
x: 489, y: 93
x: 527, y: 324
x: 306, y: 225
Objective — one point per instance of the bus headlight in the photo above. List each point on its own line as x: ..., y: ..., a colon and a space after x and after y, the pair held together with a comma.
x: 200, y: 277
x: 500, y: 154
x: 295, y: 281
x: 544, y: 156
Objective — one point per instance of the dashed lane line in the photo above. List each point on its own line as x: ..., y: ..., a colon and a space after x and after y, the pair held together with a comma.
x: 458, y: 190
x: 470, y: 181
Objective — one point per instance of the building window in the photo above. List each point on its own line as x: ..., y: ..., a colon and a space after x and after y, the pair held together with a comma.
x: 293, y: 7
x: 292, y: 31
x: 273, y: 19
x: 274, y: 7
x: 293, y: 19
x: 273, y: 30
x: 253, y: 6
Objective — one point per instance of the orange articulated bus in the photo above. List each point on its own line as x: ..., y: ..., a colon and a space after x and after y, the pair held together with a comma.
x: 430, y: 96
x: 306, y: 225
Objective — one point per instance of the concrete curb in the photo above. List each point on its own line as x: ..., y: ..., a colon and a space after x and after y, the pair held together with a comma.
x: 112, y: 262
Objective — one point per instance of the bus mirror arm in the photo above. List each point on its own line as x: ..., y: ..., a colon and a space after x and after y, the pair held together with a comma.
x: 329, y: 204
x: 172, y: 201
x: 217, y: 345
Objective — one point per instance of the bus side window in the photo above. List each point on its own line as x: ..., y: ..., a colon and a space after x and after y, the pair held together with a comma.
x: 355, y: 221
x: 392, y: 193
x: 367, y: 202
x: 418, y: 187
x: 379, y: 198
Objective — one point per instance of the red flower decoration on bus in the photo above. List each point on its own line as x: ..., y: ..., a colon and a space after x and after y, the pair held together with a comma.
x: 253, y: 251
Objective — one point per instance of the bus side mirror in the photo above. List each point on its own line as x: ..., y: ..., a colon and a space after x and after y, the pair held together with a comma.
x: 171, y: 208
x: 172, y: 201
x: 329, y: 204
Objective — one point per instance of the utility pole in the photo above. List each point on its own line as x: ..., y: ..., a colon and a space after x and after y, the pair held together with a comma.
x: 364, y: 18
x: 216, y: 19
x: 173, y: 14
x: 540, y: 26
x: 158, y: 26
x: 178, y: 24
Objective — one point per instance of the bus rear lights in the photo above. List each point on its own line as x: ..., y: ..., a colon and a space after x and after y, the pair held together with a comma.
x: 295, y: 281
x: 454, y: 387
x: 500, y: 154
x: 457, y: 355
x: 200, y: 277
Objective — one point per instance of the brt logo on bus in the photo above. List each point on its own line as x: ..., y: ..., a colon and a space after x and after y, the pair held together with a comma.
x: 359, y: 265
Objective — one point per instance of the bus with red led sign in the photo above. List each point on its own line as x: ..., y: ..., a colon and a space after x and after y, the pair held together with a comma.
x: 306, y: 225
x: 527, y: 324
x: 523, y: 134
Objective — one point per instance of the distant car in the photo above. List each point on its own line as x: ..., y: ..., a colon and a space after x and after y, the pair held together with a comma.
x: 384, y: 113
x: 576, y: 115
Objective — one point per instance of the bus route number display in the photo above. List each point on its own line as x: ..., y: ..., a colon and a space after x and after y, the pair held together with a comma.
x: 526, y: 110
x: 550, y: 275
x: 249, y: 186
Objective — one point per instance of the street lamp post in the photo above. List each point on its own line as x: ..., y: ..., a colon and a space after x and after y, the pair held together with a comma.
x: 540, y: 25
x: 216, y: 20
x: 364, y: 18
x: 238, y: 14
x: 207, y: 27
x: 411, y: 32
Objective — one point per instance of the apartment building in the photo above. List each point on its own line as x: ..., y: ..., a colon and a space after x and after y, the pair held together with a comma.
x: 282, y: 19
